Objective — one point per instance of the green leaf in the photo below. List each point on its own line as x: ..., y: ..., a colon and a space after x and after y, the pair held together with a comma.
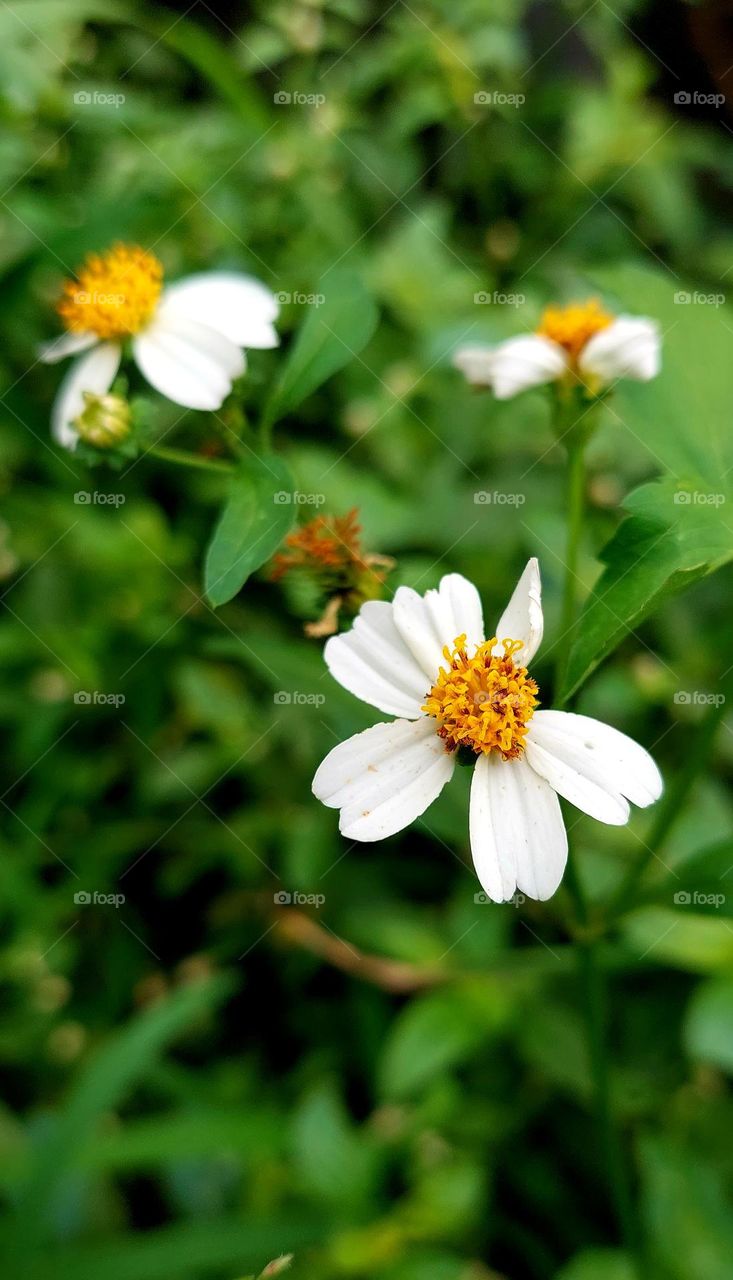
x: 120, y: 1062
x: 254, y: 521
x: 677, y: 530
x: 708, y: 1030
x: 332, y: 335
x: 663, y: 547
x: 599, y: 1264
x: 687, y: 1212
x: 435, y: 1032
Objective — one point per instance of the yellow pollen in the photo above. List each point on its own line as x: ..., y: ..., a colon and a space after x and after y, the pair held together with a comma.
x: 115, y: 293
x: 572, y: 326
x: 485, y: 702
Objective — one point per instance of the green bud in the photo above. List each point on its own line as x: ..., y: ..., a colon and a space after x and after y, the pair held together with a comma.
x: 104, y: 421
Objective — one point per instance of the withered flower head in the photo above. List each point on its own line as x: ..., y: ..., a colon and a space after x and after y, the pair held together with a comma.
x: 329, y: 548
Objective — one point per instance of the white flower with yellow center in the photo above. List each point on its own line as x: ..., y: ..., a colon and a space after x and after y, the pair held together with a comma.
x: 459, y: 696
x: 186, y: 339
x: 580, y: 343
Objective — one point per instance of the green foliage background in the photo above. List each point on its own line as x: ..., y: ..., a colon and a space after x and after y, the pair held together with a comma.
x: 394, y: 1085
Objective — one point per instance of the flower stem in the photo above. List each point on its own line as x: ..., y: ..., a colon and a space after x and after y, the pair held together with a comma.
x: 590, y: 966
x: 575, y: 512
x: 593, y: 982
x: 183, y: 459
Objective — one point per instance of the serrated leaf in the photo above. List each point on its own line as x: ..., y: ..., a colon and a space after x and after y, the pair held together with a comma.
x: 678, y: 529
x: 664, y: 546
x: 254, y: 521
x: 332, y: 335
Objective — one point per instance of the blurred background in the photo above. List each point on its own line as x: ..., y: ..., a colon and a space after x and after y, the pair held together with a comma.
x: 225, y: 1034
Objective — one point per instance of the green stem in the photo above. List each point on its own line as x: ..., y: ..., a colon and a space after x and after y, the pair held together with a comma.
x: 590, y: 966
x: 593, y: 982
x: 183, y: 459
x: 575, y: 512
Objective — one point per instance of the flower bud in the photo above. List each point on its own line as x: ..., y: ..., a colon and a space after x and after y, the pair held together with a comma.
x: 104, y: 421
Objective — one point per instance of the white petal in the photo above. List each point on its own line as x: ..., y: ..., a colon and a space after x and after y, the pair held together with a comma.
x: 522, y: 619
x: 236, y: 305
x: 67, y: 344
x: 476, y: 364
x: 628, y: 348
x: 384, y: 778
x: 95, y: 372
x: 373, y: 662
x: 527, y: 361
x: 518, y: 837
x: 495, y: 866
x: 428, y: 623
x: 187, y: 362
x: 586, y: 793
x: 600, y: 754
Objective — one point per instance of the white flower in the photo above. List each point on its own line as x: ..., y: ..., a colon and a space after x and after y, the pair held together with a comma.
x: 580, y: 343
x: 186, y: 339
x: 424, y: 659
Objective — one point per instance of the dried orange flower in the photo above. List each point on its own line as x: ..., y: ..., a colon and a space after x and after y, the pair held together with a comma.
x: 329, y: 547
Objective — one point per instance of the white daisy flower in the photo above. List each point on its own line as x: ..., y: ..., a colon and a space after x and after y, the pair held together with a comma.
x: 186, y: 339
x: 459, y: 696
x: 578, y: 343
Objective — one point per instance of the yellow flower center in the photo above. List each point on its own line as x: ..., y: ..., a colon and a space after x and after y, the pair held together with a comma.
x: 572, y: 326
x: 115, y: 293
x: 485, y: 702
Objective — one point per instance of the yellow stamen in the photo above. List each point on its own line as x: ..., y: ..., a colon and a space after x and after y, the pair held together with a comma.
x: 572, y: 326
x: 485, y: 702
x: 115, y: 293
